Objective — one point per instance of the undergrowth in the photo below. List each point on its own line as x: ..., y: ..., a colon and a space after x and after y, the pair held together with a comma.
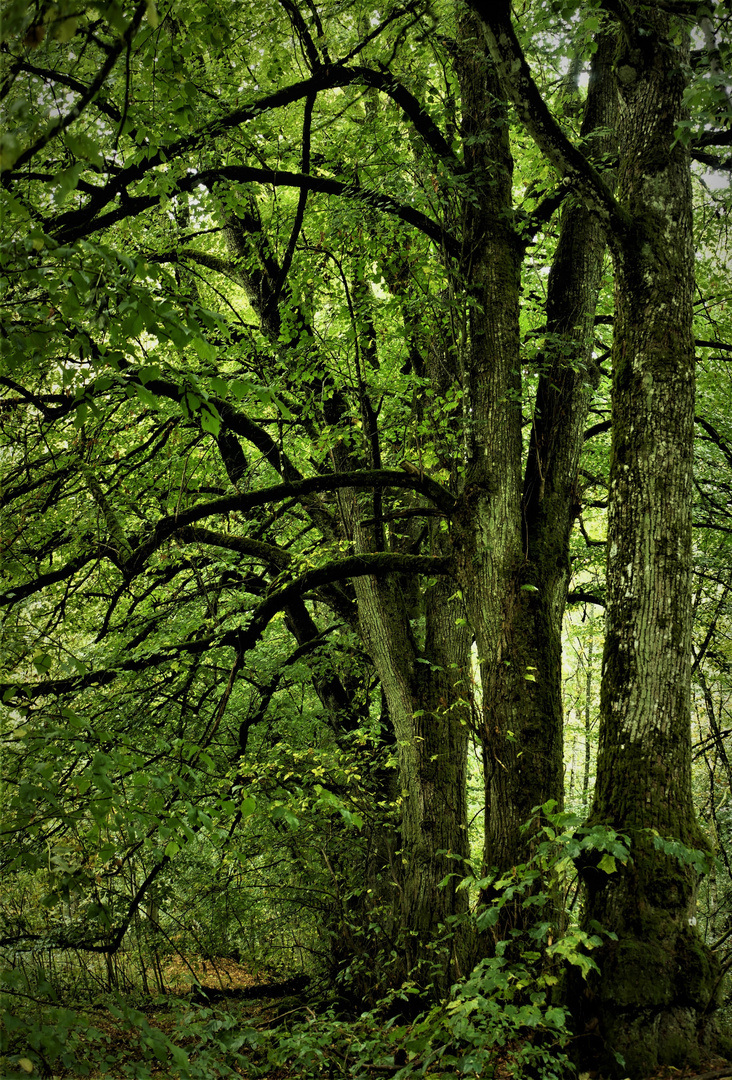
x: 508, y: 1015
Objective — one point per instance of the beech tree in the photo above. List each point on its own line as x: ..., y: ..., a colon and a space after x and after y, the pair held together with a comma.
x: 288, y: 360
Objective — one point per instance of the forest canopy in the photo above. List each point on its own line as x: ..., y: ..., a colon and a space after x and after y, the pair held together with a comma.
x: 366, y: 455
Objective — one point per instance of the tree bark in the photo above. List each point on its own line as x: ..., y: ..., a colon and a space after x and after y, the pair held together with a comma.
x: 569, y: 376
x: 424, y: 688
x: 514, y: 558
x: 658, y: 981
x: 487, y: 525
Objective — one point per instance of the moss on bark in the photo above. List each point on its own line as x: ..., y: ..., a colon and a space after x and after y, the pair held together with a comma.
x: 659, y: 984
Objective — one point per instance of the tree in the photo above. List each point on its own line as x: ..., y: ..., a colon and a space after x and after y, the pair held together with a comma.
x: 269, y: 391
x: 475, y: 369
x: 648, y: 1010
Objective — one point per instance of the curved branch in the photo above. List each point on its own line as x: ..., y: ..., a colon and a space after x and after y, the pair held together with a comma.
x: 715, y: 437
x: 243, y: 640
x: 375, y: 199
x: 83, y: 223
x: 80, y: 222
x: 73, y: 84
x: 268, y: 553
x: 373, y: 565
x: 91, y: 92
x: 519, y: 86
x: 358, y: 480
x: 20, y: 592
x: 395, y: 14
x: 597, y: 429
x: 231, y: 418
x: 712, y: 138
x: 63, y: 941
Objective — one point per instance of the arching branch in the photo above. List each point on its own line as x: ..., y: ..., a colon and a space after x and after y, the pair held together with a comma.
x: 242, y: 640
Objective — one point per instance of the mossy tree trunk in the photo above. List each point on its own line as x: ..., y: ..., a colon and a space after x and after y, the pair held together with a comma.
x: 424, y: 686
x: 487, y: 528
x: 568, y: 377
x: 657, y: 980
x: 512, y: 537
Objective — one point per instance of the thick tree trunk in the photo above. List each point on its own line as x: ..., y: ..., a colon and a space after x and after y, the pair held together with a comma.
x: 424, y: 686
x: 487, y: 527
x: 420, y: 648
x: 658, y: 980
x: 514, y: 549
x: 568, y: 378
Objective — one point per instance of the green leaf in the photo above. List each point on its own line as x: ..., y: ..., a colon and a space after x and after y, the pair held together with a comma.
x: 210, y: 419
x: 147, y: 397
x: 42, y: 662
x: 66, y: 182
x: 219, y: 386
x: 81, y: 145
x: 204, y: 349
x: 241, y: 388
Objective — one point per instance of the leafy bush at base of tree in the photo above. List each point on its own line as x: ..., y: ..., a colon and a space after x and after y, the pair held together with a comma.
x: 510, y: 1010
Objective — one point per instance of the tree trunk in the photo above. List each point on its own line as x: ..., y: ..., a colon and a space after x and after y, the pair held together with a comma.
x: 487, y: 527
x: 514, y: 558
x: 658, y: 980
x: 424, y: 686
x: 569, y: 375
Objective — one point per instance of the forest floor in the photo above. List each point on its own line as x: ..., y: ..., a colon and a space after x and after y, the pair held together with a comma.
x: 712, y: 1069
x: 135, y: 1043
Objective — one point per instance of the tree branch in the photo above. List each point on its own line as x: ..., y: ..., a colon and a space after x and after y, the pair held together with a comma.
x: 83, y: 222
x: 243, y: 640
x: 73, y: 84
x: 80, y: 222
x: 75, y: 112
x: 20, y: 592
x: 360, y: 480
x: 579, y: 596
x: 268, y: 553
x: 519, y: 86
